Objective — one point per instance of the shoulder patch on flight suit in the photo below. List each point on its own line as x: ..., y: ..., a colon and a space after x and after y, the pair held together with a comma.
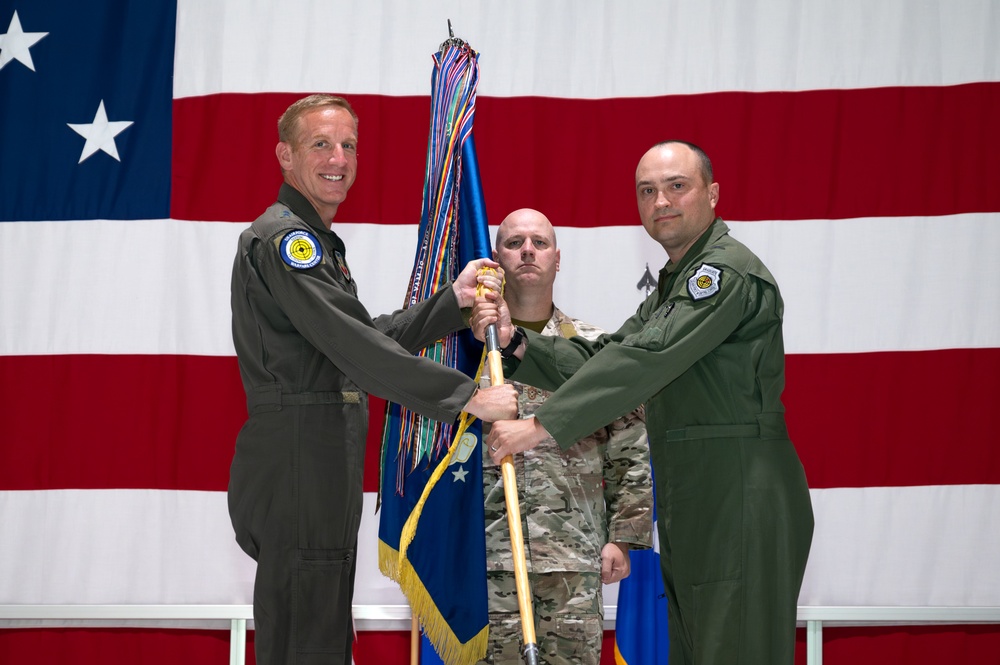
x: 300, y: 249
x: 705, y: 282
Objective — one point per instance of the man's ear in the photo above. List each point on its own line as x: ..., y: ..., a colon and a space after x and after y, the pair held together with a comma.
x: 283, y: 151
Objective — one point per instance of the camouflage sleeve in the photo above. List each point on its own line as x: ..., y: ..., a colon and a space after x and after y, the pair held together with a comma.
x: 628, y: 488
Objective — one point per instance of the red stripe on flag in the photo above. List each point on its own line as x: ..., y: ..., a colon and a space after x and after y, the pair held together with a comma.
x: 170, y: 422
x: 153, y: 646
x: 224, y: 166
x: 106, y: 421
x: 914, y: 645
x: 826, y: 154
x: 893, y: 419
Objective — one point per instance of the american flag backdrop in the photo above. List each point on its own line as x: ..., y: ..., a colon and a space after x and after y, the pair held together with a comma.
x: 857, y: 147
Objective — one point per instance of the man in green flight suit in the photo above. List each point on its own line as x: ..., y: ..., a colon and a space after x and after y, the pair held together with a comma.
x: 309, y: 355
x: 705, y: 354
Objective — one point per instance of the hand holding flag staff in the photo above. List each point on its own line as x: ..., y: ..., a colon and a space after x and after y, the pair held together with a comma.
x: 495, y: 363
x: 442, y: 567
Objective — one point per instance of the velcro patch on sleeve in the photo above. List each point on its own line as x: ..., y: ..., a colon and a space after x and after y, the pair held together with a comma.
x: 705, y: 282
x: 300, y: 249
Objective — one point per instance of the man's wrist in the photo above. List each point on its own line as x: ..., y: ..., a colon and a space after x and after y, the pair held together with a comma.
x: 507, y: 352
x: 459, y: 296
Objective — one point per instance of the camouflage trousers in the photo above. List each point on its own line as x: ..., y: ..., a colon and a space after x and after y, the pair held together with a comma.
x: 569, y: 618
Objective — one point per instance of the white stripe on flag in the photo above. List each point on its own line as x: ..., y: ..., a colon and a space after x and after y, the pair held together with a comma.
x: 874, y: 546
x: 162, y: 287
x: 590, y: 49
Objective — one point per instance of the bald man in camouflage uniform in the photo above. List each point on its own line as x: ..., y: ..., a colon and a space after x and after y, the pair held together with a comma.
x: 582, y: 509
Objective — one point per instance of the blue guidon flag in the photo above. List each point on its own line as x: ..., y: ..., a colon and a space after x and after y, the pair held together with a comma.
x: 440, y: 566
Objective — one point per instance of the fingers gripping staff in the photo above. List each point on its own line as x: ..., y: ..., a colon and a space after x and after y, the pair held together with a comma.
x: 495, y: 362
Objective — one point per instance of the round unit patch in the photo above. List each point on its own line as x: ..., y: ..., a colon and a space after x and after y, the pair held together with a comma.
x: 300, y: 249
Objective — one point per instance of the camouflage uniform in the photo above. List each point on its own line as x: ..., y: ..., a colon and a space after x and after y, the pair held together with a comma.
x: 572, y: 503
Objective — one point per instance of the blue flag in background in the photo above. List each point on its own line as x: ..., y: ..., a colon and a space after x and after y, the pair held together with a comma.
x: 442, y: 571
x: 85, y: 133
x: 641, y: 622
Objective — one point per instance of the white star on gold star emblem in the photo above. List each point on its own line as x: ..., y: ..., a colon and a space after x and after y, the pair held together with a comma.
x: 100, y: 134
x: 460, y: 474
x: 14, y: 44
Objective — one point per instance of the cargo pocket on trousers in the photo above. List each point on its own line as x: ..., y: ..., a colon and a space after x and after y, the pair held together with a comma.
x: 322, y: 605
x: 716, y: 630
x: 577, y: 640
x: 505, y: 638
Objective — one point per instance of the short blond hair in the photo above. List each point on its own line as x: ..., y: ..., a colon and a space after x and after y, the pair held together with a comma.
x: 288, y: 122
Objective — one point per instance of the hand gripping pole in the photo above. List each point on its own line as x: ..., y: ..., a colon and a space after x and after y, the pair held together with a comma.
x: 495, y: 364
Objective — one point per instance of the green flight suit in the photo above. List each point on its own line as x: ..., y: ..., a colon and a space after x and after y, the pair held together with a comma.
x: 705, y: 354
x: 309, y: 354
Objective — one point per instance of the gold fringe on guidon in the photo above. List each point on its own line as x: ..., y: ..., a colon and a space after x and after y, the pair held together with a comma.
x: 422, y: 606
x: 396, y: 566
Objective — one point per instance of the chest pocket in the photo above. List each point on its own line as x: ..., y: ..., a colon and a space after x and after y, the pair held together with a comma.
x: 653, y: 335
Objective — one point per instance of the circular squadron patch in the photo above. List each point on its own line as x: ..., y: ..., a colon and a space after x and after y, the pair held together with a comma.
x: 705, y: 282
x: 300, y: 249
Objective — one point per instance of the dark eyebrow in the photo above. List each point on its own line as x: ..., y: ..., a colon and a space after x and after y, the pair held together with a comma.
x: 672, y: 178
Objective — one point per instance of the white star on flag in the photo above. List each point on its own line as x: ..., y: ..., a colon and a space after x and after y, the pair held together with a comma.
x: 100, y: 134
x: 15, y: 43
x: 460, y: 474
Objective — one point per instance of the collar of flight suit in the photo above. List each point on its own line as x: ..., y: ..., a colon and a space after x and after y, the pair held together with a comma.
x: 299, y: 205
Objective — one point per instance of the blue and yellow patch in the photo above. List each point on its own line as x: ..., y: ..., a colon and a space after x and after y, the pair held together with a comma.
x: 300, y: 249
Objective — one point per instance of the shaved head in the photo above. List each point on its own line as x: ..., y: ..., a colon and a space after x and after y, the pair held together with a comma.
x: 524, y: 216
x: 526, y: 250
